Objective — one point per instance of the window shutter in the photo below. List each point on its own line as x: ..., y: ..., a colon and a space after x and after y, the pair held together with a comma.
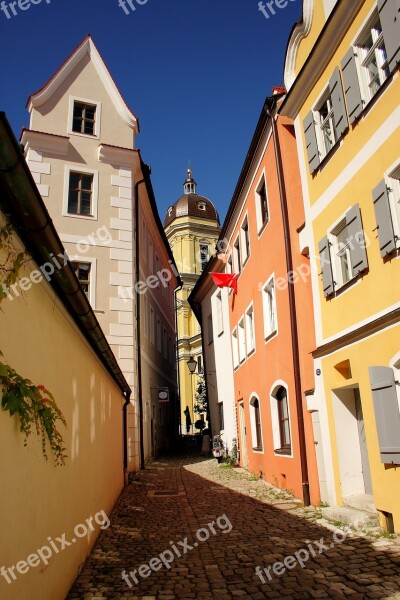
x: 339, y: 107
x: 387, y: 413
x: 358, y: 254
x: 387, y: 240
x: 311, y: 142
x: 351, y: 86
x: 389, y: 14
x: 326, y: 265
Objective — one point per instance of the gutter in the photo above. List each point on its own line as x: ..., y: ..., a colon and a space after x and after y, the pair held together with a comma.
x: 292, y: 307
x: 24, y: 205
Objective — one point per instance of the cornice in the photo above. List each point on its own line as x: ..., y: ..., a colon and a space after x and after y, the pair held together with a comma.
x: 117, y: 156
x: 45, y: 142
x: 301, y: 30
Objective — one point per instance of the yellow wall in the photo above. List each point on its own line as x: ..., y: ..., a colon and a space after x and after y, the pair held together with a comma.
x: 40, y: 340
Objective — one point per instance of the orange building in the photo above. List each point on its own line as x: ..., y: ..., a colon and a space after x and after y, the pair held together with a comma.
x: 271, y: 316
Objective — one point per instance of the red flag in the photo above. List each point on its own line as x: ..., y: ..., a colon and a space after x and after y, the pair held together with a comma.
x: 225, y: 280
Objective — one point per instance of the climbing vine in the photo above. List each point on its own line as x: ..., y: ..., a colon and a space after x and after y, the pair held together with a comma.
x: 33, y: 404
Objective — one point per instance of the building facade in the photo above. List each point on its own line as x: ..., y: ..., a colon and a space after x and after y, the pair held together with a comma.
x: 80, y: 147
x: 342, y: 75
x: 268, y: 320
x: 192, y: 228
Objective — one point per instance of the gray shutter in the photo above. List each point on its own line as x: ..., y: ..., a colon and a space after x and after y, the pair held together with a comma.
x: 358, y: 254
x: 387, y: 413
x: 311, y: 142
x: 339, y: 107
x: 351, y: 86
x: 326, y: 265
x: 389, y: 14
x: 387, y: 240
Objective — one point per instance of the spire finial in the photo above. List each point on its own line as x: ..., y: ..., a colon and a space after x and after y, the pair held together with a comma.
x: 189, y: 186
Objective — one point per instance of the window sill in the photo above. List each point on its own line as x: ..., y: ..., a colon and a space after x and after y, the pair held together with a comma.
x: 87, y: 217
x: 339, y: 290
x: 85, y: 135
x: 258, y: 449
x: 252, y: 351
x: 263, y: 228
x: 283, y: 451
x: 270, y: 336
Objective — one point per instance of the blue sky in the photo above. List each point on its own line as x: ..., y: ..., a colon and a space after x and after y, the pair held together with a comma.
x: 195, y: 72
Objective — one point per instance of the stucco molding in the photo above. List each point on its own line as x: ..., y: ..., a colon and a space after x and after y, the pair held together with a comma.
x: 301, y: 30
x: 45, y: 142
x: 113, y: 155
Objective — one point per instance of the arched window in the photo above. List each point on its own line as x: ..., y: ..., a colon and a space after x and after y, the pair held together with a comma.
x: 284, y: 423
x: 255, y: 420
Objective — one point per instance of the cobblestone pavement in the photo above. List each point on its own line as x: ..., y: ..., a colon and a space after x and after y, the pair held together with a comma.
x: 170, y: 506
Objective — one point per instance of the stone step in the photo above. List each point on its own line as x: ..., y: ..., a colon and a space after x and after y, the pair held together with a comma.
x: 363, y: 502
x: 350, y: 516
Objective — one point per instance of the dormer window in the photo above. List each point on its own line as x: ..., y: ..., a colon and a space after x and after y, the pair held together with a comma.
x: 84, y: 118
x: 201, y: 205
x: 171, y: 208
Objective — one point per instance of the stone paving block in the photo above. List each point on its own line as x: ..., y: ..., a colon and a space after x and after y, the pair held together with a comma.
x: 223, y: 566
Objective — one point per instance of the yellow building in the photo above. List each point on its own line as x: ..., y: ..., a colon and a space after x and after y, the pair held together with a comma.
x: 342, y: 76
x: 192, y: 229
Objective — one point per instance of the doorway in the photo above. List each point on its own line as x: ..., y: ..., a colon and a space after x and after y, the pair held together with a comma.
x: 244, y: 459
x: 355, y: 476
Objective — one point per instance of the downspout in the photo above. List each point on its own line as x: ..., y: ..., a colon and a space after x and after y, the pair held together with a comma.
x: 293, y: 314
x: 180, y: 287
x: 138, y: 338
x: 125, y: 433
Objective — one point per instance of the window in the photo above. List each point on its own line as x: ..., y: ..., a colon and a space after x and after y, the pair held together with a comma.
x: 372, y: 56
x: 262, y: 210
x: 342, y: 252
x: 200, y: 364
x: 220, y: 322
x: 245, y: 241
x: 269, y: 309
x: 284, y: 423
x: 210, y: 332
x: 228, y: 268
x: 255, y: 421
x: 326, y: 124
x: 159, y: 340
x: 82, y: 271
x: 221, y: 416
x: 84, y: 118
x: 80, y: 194
x: 235, y: 350
x: 386, y: 197
x: 201, y: 205
x: 203, y: 255
x: 236, y: 257
x: 242, y: 341
x: 250, y: 341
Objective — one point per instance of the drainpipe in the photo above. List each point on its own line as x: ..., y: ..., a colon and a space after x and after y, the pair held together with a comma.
x: 293, y: 314
x: 125, y: 433
x: 138, y: 307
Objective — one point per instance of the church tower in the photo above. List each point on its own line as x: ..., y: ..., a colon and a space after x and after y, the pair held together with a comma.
x: 192, y: 228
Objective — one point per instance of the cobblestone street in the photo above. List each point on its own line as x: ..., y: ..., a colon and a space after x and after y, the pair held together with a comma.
x: 175, y: 498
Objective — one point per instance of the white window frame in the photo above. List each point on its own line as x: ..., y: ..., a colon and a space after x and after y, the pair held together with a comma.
x: 68, y: 169
x: 276, y: 433
x: 93, y: 276
x: 253, y: 427
x: 245, y: 253
x: 395, y: 365
x: 269, y: 308
x: 219, y: 311
x: 235, y: 348
x: 393, y: 184
x: 242, y: 340
x: 237, y: 257
x: 97, y: 122
x: 363, y: 58
x: 339, y: 252
x: 257, y: 198
x: 250, y: 330
x: 324, y: 123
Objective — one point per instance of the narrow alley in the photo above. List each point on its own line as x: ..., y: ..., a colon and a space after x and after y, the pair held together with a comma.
x: 220, y: 520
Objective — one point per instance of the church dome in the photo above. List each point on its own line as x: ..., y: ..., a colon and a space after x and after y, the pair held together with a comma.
x: 191, y: 205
